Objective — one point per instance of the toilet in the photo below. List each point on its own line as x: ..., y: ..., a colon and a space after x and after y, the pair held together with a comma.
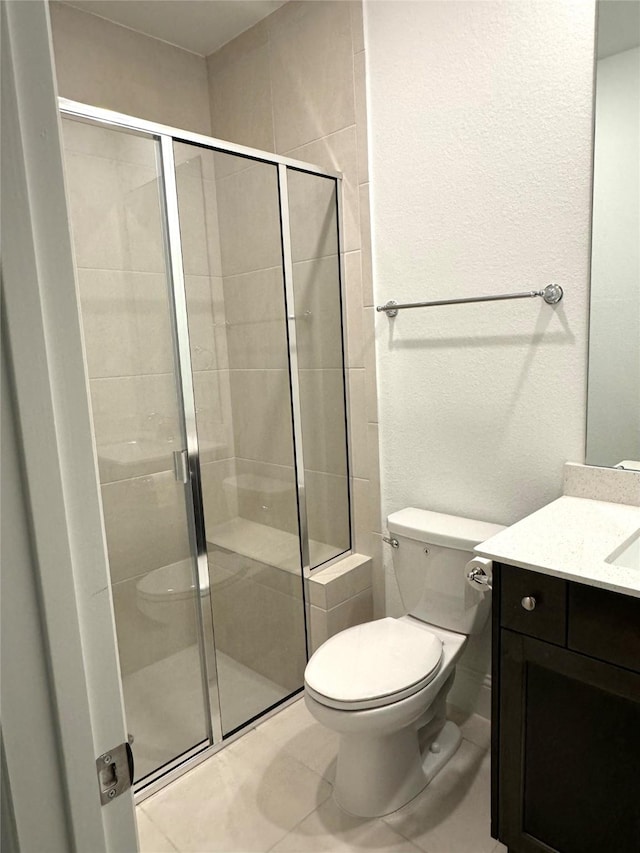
x: 383, y: 685
x: 167, y: 594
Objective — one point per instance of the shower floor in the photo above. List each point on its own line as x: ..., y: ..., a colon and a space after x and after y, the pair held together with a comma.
x: 163, y: 703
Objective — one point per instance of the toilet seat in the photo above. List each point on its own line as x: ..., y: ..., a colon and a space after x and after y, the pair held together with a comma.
x: 373, y: 664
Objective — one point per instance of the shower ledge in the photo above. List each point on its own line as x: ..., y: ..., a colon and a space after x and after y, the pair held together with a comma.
x: 264, y: 544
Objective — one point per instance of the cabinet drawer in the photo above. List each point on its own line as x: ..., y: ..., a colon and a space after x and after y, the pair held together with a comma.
x: 605, y: 625
x: 548, y: 618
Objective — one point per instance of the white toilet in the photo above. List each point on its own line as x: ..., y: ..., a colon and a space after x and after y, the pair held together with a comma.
x: 383, y: 685
x: 167, y: 594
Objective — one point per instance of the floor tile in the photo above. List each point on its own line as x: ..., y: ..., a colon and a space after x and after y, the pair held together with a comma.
x: 452, y: 814
x: 475, y: 728
x: 151, y: 839
x: 245, y: 798
x: 334, y: 831
x: 500, y: 848
x: 296, y: 731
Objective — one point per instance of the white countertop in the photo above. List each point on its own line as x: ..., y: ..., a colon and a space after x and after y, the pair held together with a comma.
x: 571, y: 538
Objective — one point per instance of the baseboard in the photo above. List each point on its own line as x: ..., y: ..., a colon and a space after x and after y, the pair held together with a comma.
x: 471, y: 691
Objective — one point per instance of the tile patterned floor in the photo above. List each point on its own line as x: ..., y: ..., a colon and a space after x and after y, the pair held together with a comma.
x: 271, y: 791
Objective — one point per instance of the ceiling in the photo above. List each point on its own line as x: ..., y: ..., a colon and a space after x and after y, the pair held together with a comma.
x: 201, y: 26
x: 618, y: 26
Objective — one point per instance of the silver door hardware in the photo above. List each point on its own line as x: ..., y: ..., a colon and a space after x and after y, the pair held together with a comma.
x: 391, y: 541
x: 115, y: 772
x: 479, y: 577
x: 181, y: 465
x: 528, y: 602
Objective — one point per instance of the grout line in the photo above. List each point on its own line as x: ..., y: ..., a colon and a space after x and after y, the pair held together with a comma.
x: 321, y: 139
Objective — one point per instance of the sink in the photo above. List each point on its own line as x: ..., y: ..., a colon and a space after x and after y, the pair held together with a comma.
x: 627, y: 555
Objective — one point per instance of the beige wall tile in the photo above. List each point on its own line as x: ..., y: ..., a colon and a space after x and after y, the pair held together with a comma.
x: 106, y: 65
x: 357, y: 25
x: 323, y: 420
x: 135, y: 407
x: 318, y: 628
x: 260, y: 626
x: 353, y: 299
x: 311, y: 62
x: 312, y: 212
x: 261, y: 405
x: 316, y: 285
x: 213, y: 414
x: 240, y: 92
x: 338, y: 152
x: 365, y: 224
x: 219, y: 497
x: 374, y: 476
x: 142, y: 640
x: 110, y: 143
x: 369, y: 318
x: 249, y: 218
x: 146, y: 524
x: 193, y: 222
x: 334, y: 584
x: 377, y: 577
x: 267, y: 495
x: 202, y: 333
x: 136, y: 425
x: 256, y: 317
x: 241, y: 46
x: 362, y: 515
x: 115, y: 214
x: 360, y: 86
x: 327, y: 509
x: 125, y: 318
x: 212, y: 227
x: 351, y: 612
x: 219, y: 321
x: 358, y: 423
x: 94, y: 195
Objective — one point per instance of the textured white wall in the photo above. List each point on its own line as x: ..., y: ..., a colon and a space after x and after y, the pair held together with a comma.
x: 480, y: 142
x: 480, y: 153
x: 613, y: 425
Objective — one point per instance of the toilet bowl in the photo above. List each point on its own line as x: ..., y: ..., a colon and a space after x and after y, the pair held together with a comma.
x: 383, y: 686
x: 167, y: 594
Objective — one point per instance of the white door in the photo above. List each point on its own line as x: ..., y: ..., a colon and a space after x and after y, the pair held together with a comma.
x: 50, y: 410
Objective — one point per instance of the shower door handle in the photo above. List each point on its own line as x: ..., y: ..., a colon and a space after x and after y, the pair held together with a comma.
x: 181, y: 465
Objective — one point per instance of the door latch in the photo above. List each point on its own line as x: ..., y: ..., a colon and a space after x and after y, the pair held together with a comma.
x: 115, y: 772
x: 181, y: 466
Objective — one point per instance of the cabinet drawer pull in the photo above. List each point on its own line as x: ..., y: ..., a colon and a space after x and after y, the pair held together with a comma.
x: 528, y: 602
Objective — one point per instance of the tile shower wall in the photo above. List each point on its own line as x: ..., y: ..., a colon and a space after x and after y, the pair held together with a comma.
x: 101, y: 63
x: 295, y: 84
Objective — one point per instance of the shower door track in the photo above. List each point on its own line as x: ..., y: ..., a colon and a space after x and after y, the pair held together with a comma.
x: 116, y: 119
x: 165, y: 136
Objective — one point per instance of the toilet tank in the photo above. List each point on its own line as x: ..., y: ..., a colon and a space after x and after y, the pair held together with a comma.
x: 429, y: 563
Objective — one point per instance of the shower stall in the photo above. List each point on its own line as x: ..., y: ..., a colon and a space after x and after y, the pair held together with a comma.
x: 209, y: 281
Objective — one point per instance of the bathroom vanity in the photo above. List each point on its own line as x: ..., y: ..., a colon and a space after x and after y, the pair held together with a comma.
x: 566, y: 680
x: 566, y: 712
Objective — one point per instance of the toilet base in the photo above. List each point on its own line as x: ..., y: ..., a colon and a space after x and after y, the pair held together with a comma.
x: 447, y: 744
x: 377, y: 776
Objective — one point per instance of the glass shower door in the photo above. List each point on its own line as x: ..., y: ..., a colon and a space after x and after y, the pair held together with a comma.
x: 320, y: 374
x: 118, y: 221
x: 233, y: 264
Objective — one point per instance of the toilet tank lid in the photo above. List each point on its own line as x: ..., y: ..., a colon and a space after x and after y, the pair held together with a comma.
x: 437, y: 528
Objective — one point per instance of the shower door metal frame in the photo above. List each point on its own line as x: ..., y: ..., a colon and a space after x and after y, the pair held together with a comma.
x: 165, y: 136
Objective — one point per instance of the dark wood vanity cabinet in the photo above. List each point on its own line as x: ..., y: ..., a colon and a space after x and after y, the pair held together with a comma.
x: 566, y: 716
